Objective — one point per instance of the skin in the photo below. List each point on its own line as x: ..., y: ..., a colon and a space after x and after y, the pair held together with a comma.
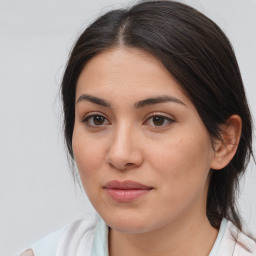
x: 174, y: 158
x: 28, y: 252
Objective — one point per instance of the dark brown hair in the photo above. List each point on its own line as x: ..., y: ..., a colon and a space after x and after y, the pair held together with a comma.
x: 199, y: 56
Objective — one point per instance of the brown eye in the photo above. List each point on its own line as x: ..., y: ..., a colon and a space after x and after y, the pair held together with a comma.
x: 98, y: 120
x: 95, y: 120
x: 158, y: 120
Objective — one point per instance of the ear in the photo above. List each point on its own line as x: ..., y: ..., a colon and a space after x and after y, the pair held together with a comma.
x: 225, y: 148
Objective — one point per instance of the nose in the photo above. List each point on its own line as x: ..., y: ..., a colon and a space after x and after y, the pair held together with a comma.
x: 124, y: 152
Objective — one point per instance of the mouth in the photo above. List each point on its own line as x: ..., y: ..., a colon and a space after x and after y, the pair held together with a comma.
x: 126, y: 191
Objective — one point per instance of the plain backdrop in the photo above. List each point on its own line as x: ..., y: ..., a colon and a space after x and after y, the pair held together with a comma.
x: 37, y: 193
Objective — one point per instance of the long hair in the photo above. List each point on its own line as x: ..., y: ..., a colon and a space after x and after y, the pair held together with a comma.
x: 199, y: 56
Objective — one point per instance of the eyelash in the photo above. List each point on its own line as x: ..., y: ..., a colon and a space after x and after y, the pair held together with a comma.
x: 166, y: 119
x: 89, y: 117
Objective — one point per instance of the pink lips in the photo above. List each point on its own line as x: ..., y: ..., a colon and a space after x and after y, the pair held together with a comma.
x: 125, y: 191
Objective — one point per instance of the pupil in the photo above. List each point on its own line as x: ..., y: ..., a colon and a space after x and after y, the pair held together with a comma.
x: 98, y: 120
x: 158, y: 120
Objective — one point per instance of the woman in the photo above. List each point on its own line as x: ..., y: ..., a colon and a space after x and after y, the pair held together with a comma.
x: 157, y: 121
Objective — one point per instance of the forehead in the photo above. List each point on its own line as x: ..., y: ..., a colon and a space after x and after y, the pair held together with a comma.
x: 122, y: 73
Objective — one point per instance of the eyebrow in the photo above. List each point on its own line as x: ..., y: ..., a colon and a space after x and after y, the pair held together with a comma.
x: 93, y: 99
x: 157, y: 100
x: 139, y: 104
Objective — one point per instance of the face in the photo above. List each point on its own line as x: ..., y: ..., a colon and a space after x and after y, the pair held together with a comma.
x: 141, y: 149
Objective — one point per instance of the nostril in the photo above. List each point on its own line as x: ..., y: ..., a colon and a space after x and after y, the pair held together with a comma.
x: 122, y: 165
x: 124, y: 154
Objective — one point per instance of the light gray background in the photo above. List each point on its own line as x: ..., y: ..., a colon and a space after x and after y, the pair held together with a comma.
x: 37, y: 194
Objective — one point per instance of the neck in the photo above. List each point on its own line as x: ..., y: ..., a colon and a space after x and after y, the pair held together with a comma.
x: 187, y: 236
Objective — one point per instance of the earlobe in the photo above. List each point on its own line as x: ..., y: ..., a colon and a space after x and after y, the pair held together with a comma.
x: 225, y: 148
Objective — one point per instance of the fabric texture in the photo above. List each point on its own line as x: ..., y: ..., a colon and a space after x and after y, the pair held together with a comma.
x: 219, y: 238
x: 90, y: 238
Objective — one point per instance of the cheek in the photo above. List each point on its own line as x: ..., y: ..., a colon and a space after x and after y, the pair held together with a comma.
x: 88, y: 154
x: 183, y: 163
x: 184, y: 175
x: 89, y: 157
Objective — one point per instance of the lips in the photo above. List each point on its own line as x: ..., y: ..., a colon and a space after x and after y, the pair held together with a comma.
x: 126, y: 191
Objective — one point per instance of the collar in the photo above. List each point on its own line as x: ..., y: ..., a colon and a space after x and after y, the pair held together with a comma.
x: 100, y: 241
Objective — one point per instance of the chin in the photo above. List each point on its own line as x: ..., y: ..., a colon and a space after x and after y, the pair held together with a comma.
x: 131, y: 229
x: 128, y: 224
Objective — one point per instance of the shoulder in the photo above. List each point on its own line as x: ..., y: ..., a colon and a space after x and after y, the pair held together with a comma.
x: 28, y: 252
x: 51, y: 243
x: 244, y: 245
x: 236, y: 243
x: 47, y: 245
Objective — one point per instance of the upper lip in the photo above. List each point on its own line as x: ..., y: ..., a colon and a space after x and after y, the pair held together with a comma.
x: 125, y: 185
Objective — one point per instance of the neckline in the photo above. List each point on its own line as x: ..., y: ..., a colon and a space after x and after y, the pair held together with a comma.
x: 100, y: 241
x: 219, y: 238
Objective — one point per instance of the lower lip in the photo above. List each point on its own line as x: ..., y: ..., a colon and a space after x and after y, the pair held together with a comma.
x: 126, y: 195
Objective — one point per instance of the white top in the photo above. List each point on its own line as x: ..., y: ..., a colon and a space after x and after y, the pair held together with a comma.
x: 91, y: 239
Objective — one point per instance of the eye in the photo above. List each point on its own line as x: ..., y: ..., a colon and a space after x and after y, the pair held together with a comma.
x: 159, y: 120
x: 94, y: 120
